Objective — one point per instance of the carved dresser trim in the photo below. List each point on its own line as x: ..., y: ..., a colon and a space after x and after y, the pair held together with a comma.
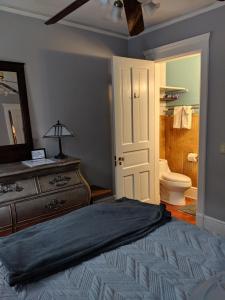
x: 32, y: 195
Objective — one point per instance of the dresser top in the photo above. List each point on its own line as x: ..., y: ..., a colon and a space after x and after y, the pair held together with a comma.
x: 19, y: 169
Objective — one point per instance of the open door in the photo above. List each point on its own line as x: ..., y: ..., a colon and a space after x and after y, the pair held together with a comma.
x: 134, y: 130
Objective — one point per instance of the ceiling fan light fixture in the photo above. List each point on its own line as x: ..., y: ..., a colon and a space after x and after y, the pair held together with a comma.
x: 104, y: 2
x: 150, y: 7
x: 117, y: 11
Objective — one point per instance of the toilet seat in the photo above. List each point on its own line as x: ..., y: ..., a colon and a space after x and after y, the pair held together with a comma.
x: 175, y: 177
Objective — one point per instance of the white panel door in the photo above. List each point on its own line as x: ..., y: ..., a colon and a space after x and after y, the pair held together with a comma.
x: 134, y: 128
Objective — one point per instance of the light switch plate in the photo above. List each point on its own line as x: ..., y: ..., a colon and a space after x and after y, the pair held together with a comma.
x: 222, y: 148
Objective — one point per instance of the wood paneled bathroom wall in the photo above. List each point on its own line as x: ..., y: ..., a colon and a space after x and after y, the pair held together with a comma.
x: 175, y: 144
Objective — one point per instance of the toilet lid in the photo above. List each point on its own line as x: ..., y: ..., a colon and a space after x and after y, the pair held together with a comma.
x: 175, y: 177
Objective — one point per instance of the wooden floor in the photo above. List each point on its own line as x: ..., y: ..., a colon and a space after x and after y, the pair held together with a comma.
x: 174, y: 209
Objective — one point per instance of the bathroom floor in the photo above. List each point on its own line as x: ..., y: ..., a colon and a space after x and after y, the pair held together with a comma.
x: 174, y: 209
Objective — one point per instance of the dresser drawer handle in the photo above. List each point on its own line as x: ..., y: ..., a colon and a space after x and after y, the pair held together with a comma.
x: 60, y: 181
x: 55, y: 204
x: 9, y: 188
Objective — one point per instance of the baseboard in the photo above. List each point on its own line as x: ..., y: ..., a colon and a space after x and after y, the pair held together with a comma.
x: 214, y: 225
x: 192, y: 193
x: 211, y: 224
x: 200, y: 220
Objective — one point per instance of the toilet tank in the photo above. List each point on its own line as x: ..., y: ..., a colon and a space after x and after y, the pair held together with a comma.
x: 163, y: 166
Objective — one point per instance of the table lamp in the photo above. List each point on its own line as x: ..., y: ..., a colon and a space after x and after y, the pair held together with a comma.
x: 59, y: 131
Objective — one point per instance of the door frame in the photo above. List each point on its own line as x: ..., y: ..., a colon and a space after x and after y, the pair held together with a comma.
x: 197, y: 44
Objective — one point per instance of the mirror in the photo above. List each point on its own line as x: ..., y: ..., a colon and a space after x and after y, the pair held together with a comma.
x: 15, y: 130
x: 11, y: 122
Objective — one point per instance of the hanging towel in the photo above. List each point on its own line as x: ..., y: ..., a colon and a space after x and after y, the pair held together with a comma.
x: 187, y: 117
x: 177, y: 119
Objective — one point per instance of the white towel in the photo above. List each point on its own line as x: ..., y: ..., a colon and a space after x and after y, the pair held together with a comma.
x: 187, y: 117
x: 177, y: 119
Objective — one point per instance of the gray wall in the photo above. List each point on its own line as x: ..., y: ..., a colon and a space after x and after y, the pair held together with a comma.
x: 68, y: 79
x: 210, y: 22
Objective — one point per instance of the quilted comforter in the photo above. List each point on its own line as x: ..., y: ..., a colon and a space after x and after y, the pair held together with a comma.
x: 167, y: 264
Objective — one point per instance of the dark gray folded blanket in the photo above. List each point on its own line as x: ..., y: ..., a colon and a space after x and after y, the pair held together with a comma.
x: 53, y: 246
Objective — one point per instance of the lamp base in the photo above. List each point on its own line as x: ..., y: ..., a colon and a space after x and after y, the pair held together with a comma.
x: 60, y: 156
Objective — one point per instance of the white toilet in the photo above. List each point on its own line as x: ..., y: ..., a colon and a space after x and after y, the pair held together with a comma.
x: 172, y: 185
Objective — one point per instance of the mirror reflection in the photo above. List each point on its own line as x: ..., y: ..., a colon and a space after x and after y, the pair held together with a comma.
x: 11, y: 124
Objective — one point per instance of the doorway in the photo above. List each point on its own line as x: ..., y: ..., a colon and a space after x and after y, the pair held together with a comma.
x: 132, y: 69
x: 194, y: 45
x: 180, y: 82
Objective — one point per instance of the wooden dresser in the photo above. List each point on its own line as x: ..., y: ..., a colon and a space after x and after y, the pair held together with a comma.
x: 32, y: 195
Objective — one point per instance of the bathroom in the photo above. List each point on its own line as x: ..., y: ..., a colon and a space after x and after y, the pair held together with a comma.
x: 179, y: 133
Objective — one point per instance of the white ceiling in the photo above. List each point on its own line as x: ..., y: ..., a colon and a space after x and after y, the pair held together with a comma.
x: 95, y: 15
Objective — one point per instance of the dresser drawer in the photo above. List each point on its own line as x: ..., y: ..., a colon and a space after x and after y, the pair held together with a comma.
x: 18, y: 189
x: 60, y: 180
x: 52, y: 204
x: 5, y: 217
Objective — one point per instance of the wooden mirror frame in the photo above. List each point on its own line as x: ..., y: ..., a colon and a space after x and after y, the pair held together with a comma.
x: 13, y: 153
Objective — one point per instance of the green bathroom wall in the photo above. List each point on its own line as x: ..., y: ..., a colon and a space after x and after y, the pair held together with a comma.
x: 185, y: 73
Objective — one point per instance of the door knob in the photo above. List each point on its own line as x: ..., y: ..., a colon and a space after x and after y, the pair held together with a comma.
x: 121, y: 159
x: 136, y: 96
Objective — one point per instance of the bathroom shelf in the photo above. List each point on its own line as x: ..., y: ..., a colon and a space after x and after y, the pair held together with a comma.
x: 173, y: 89
x: 171, y: 93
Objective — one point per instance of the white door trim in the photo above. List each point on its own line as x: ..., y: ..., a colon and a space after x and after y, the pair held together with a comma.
x: 197, y: 44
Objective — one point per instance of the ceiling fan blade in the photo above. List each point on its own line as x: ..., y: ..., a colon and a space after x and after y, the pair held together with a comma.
x: 9, y: 87
x: 66, y: 11
x: 133, y: 10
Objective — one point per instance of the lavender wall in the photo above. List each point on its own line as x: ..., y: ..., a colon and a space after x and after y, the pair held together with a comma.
x: 210, y: 22
x: 68, y: 79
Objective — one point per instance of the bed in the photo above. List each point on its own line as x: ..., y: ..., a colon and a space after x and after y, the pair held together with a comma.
x: 166, y: 264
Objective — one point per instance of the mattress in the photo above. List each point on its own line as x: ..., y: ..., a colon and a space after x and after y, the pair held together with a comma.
x: 167, y: 264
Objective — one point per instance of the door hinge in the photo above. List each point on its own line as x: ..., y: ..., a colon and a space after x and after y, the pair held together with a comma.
x: 115, y: 161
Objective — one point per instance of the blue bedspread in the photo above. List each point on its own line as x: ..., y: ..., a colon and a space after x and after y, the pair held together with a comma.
x: 167, y: 264
x: 47, y: 248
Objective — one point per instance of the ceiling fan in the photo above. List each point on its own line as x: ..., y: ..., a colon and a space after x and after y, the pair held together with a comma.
x: 5, y: 86
x: 133, y: 11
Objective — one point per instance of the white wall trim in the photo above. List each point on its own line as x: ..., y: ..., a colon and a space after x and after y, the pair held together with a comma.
x: 180, y: 19
x: 63, y: 22
x: 213, y: 225
x: 197, y: 44
x: 160, y: 52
